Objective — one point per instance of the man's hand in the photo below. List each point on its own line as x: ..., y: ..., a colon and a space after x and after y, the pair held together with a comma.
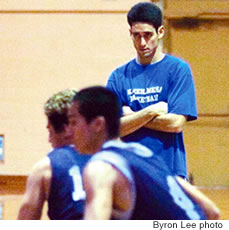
x: 159, y: 108
x: 132, y: 121
x: 126, y: 110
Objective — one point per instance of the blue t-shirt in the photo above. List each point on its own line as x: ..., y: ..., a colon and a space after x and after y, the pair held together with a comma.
x: 66, y: 197
x: 156, y: 193
x: 169, y: 80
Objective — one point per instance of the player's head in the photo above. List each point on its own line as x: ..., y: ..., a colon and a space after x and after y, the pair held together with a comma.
x: 94, y: 116
x: 145, y: 12
x: 56, y: 109
x: 146, y: 30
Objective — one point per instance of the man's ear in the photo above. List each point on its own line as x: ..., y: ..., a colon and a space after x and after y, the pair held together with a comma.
x: 161, y: 32
x: 98, y: 124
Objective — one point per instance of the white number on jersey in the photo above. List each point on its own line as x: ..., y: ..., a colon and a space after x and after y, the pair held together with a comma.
x: 78, y: 191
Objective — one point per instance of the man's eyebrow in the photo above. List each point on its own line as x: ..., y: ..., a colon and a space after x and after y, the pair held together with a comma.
x: 137, y: 32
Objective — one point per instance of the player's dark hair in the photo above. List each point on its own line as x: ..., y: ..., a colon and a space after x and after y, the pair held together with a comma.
x: 145, y: 12
x: 99, y: 101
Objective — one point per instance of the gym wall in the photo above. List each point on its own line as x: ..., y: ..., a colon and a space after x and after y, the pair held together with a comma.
x: 50, y: 45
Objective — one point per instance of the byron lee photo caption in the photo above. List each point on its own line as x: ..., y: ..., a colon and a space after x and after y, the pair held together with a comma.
x: 189, y: 225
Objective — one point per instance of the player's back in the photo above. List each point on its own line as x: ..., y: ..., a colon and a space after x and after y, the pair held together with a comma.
x: 66, y: 196
x: 158, y: 194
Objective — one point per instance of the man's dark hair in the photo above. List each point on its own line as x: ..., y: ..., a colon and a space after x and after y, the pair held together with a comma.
x: 99, y: 101
x: 145, y: 12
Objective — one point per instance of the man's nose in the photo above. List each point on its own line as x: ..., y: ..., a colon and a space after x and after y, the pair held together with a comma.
x: 142, y: 41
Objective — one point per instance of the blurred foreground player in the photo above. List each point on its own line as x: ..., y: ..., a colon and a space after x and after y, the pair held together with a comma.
x: 125, y: 180
x: 57, y: 177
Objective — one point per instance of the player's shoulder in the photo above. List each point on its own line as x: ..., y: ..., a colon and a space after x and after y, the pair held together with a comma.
x: 40, y: 176
x: 139, y: 149
x: 41, y: 169
x: 122, y: 68
x: 99, y: 169
x: 63, y: 154
x: 134, y: 147
x: 175, y: 61
x: 98, y: 166
x: 63, y: 149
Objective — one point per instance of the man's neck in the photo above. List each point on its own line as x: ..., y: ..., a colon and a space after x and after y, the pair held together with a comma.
x: 96, y: 148
x: 63, y: 144
x: 151, y: 60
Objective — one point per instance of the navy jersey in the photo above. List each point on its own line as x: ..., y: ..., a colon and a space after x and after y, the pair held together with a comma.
x: 157, y: 193
x: 66, y: 197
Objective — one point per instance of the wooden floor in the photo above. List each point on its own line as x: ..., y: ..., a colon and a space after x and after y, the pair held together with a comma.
x: 10, y: 204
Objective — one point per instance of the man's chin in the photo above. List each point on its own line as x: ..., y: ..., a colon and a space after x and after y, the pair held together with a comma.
x: 145, y: 54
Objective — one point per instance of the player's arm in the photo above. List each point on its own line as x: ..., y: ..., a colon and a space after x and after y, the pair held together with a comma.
x: 132, y: 121
x: 181, y: 95
x: 35, y: 194
x: 99, y: 178
x: 210, y: 209
x: 170, y: 122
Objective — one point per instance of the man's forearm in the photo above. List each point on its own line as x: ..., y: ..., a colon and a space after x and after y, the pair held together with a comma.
x: 171, y: 123
x: 27, y: 212
x: 132, y: 121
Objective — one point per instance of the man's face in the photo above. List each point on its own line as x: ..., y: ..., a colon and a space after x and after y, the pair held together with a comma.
x: 80, y: 129
x: 145, y: 39
x: 54, y: 138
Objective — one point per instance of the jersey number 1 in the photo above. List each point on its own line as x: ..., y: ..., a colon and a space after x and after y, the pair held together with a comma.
x: 78, y: 191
